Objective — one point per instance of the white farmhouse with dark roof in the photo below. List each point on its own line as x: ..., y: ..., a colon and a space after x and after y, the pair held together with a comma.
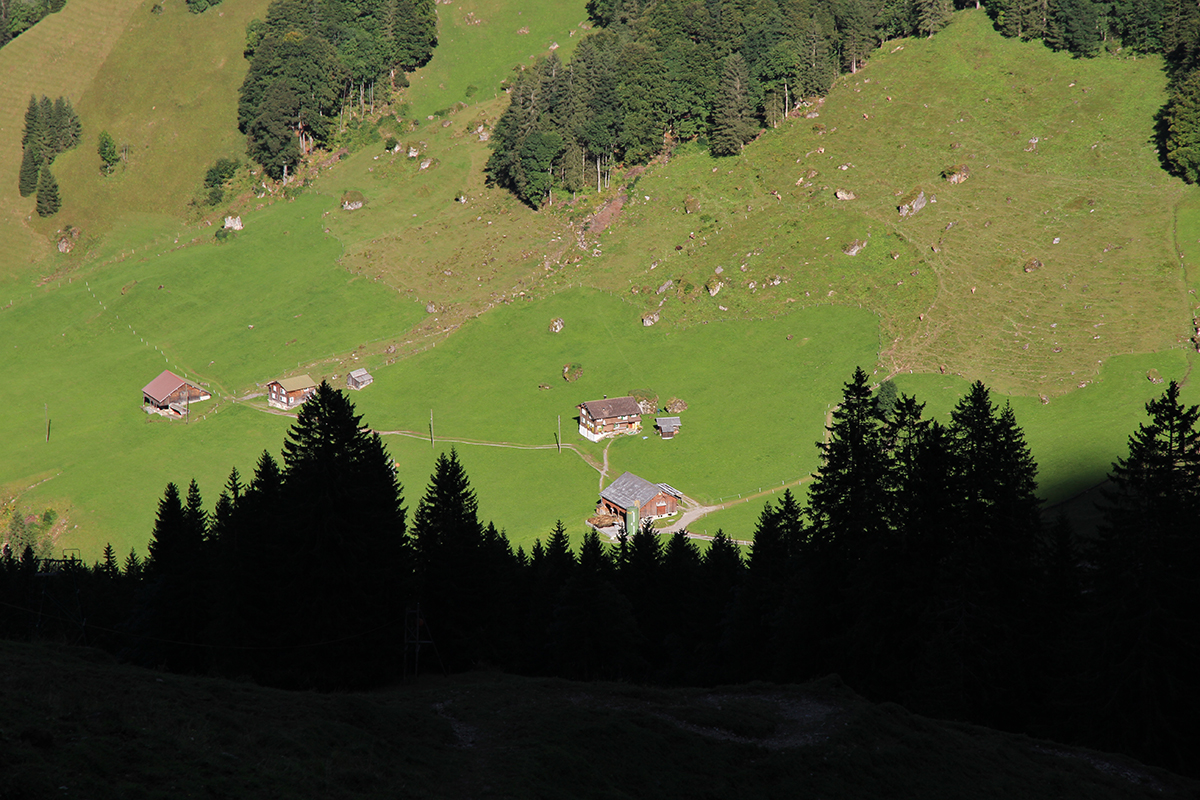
x: 633, y: 499
x: 600, y: 419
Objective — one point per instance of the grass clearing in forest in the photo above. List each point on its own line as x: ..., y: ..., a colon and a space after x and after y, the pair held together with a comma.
x: 481, y: 42
x: 1086, y: 208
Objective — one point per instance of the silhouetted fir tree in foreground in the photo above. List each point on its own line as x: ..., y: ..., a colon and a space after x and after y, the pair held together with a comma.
x: 1145, y: 655
x: 919, y: 570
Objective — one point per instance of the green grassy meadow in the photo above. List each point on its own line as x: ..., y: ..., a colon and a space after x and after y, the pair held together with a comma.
x: 164, y: 85
x: 936, y: 300
x: 480, y: 42
x: 229, y: 315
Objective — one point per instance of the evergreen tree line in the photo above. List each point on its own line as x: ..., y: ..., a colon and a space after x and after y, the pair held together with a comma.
x: 309, y: 59
x: 665, y: 70
x: 51, y: 127
x: 1084, y: 27
x: 18, y: 16
x: 920, y: 569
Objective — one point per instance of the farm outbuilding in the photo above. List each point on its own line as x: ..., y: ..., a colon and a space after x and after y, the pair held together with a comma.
x: 667, y: 426
x: 632, y: 499
x: 290, y: 392
x: 600, y: 419
x: 358, y: 379
x: 171, y: 394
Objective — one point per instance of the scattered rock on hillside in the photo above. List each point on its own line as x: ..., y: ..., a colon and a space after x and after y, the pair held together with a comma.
x: 1154, y: 377
x: 1032, y: 146
x: 233, y: 223
x: 431, y: 307
x: 413, y: 152
x: 690, y: 205
x: 665, y: 286
x: 912, y: 202
x: 66, y: 242
x: 556, y: 324
x: 845, y: 194
x: 572, y: 372
x: 649, y: 319
x: 352, y: 201
x: 854, y: 248
x: 676, y: 405
x: 957, y: 173
x: 714, y: 286
x: 1033, y: 264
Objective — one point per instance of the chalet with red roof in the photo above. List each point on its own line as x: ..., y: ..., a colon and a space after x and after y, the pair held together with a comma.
x: 171, y: 394
x: 600, y: 419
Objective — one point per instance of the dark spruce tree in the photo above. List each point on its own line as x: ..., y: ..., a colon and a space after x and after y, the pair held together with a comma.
x: 342, y: 573
x: 452, y: 568
x: 1181, y: 147
x: 732, y: 121
x: 48, y: 201
x: 1146, y: 696
x: 30, y: 170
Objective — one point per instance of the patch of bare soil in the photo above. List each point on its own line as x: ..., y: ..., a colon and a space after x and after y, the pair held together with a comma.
x: 607, y: 214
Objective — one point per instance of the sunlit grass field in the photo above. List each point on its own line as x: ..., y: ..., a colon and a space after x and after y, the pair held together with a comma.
x: 936, y: 300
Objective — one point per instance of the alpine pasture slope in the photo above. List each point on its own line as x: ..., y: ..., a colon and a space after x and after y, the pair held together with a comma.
x: 935, y: 300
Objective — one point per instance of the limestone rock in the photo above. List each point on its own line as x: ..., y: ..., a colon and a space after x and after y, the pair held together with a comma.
x: 854, y: 248
x: 845, y: 194
x: 911, y: 203
x: 556, y: 324
x: 956, y: 174
x: 649, y: 319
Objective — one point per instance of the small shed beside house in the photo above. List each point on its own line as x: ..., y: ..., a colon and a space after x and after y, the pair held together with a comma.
x: 632, y: 499
x: 667, y: 426
x: 171, y: 394
x: 358, y: 379
x: 601, y: 419
x: 290, y: 392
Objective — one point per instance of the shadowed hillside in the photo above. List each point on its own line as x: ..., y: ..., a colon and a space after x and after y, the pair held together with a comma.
x: 78, y: 725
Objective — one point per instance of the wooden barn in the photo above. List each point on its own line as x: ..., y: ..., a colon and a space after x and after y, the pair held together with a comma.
x: 600, y: 419
x: 667, y: 426
x: 171, y: 394
x: 290, y: 392
x: 632, y: 499
x: 358, y: 379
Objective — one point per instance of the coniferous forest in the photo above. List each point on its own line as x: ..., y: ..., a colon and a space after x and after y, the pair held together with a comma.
x: 51, y: 127
x: 308, y: 60
x: 661, y: 72
x: 920, y: 569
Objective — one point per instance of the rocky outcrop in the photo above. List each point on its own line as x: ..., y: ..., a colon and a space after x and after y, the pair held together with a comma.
x: 912, y: 202
x: 556, y: 324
